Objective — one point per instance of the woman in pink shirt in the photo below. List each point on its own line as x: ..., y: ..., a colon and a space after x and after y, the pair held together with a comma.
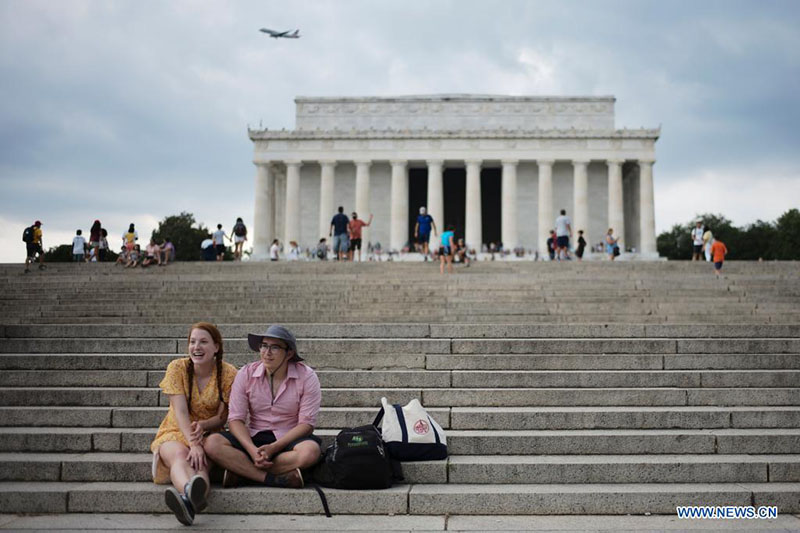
x: 272, y: 413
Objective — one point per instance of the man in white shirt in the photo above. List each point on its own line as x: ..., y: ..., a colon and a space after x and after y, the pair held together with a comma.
x: 563, y: 233
x: 78, y: 247
x: 274, y: 250
x: 219, y: 242
x: 697, y: 241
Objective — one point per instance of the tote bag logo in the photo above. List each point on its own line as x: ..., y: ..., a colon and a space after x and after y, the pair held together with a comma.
x: 421, y: 427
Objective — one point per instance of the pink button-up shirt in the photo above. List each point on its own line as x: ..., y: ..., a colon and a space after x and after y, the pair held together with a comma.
x: 296, y: 402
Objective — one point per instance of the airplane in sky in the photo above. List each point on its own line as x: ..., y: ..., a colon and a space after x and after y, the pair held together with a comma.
x: 288, y: 34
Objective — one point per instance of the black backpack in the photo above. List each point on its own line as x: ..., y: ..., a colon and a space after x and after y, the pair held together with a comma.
x: 357, y: 460
x: 27, y: 234
x: 239, y: 230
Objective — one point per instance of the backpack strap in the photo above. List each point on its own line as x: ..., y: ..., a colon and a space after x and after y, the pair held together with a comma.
x: 435, y: 433
x: 402, y: 419
x: 322, y: 498
x: 378, y: 418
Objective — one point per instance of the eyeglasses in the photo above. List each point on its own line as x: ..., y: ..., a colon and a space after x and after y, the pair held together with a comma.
x: 272, y: 348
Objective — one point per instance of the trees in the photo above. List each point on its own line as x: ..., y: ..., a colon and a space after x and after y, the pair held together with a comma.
x: 760, y: 240
x: 181, y: 230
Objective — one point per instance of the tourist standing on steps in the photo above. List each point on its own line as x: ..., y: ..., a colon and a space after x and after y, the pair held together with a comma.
x: 447, y: 249
x: 219, y: 237
x: 103, y: 248
x: 612, y: 249
x: 551, y: 245
x: 354, y: 227
x: 95, y: 238
x: 274, y: 250
x: 563, y: 234
x: 708, y: 240
x: 199, y: 388
x: 697, y: 241
x: 422, y: 230
x: 581, y: 245
x: 33, y: 245
x: 78, y: 247
x: 273, y: 411
x: 239, y: 237
x: 130, y: 237
x: 340, y: 244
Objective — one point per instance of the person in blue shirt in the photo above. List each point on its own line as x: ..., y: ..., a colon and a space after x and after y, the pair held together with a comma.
x: 446, y: 250
x: 422, y: 230
x: 341, y: 241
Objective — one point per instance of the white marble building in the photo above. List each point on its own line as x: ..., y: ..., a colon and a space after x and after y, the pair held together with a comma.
x: 498, y: 168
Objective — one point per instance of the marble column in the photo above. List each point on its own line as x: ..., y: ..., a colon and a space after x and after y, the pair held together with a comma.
x: 435, y: 193
x: 546, y: 220
x: 399, y: 211
x: 616, y: 213
x: 326, y: 187
x: 473, y: 235
x: 647, y: 218
x: 264, y: 212
x: 508, y: 225
x: 580, y: 213
x: 292, y: 211
x: 362, y: 196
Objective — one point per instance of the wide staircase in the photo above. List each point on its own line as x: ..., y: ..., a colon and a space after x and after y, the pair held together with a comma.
x: 577, y: 388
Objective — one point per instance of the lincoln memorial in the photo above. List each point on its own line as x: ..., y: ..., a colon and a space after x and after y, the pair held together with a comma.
x: 497, y: 168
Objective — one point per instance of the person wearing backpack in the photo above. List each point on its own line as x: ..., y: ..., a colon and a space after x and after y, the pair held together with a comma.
x: 239, y: 236
x: 32, y: 236
x: 273, y: 410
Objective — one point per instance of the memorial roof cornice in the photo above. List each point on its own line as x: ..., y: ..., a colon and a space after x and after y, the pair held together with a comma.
x: 625, y: 133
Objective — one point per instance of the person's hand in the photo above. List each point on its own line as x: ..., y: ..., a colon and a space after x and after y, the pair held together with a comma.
x: 196, y: 435
x: 263, y: 457
x: 197, y: 457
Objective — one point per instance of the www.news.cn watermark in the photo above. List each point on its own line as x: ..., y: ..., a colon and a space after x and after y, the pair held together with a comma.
x: 727, y: 512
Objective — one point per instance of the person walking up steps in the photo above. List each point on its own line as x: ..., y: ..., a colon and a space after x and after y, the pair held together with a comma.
x: 422, y: 230
x: 239, y: 238
x: 219, y: 237
x: 718, y: 251
x: 339, y: 224
x: 33, y: 245
x: 563, y: 234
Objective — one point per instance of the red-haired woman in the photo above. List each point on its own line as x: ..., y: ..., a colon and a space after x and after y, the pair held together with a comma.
x: 199, y: 387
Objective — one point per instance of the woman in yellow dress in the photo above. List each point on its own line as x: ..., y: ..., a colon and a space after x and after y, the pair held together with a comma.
x: 199, y: 387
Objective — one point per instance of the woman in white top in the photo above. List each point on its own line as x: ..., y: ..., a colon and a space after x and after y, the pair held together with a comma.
x: 273, y: 250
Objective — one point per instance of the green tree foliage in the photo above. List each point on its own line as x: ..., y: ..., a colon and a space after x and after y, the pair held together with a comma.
x: 787, y: 240
x: 59, y: 254
x: 184, y: 234
x: 760, y: 240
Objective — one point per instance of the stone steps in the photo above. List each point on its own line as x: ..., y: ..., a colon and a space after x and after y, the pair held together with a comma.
x: 479, y: 418
x: 421, y: 499
x: 457, y: 469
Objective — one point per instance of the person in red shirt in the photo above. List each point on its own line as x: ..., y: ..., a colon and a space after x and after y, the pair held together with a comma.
x: 354, y: 228
x: 718, y: 251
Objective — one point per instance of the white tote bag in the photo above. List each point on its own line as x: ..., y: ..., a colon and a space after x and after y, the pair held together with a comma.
x: 410, y: 433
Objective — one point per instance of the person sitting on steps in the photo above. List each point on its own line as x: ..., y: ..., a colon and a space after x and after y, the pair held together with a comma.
x: 199, y: 387
x: 273, y: 411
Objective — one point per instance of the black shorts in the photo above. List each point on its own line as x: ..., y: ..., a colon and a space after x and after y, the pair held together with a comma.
x: 262, y: 438
x: 698, y: 248
x: 718, y: 265
x: 423, y: 238
x: 444, y: 250
x: 562, y: 241
x: 220, y: 249
x: 33, y: 249
x: 355, y: 244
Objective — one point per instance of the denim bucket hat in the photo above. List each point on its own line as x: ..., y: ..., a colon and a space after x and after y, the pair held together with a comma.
x: 274, y: 332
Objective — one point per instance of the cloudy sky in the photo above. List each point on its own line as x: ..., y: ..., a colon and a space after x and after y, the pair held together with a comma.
x: 131, y: 110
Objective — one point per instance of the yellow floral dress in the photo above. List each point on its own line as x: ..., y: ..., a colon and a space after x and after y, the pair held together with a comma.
x: 204, y: 406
